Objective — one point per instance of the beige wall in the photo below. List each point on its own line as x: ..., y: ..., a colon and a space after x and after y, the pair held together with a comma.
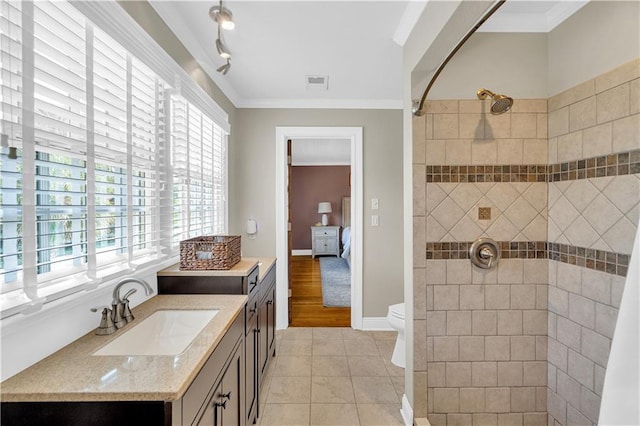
x: 514, y: 64
x: 253, y: 189
x: 598, y: 38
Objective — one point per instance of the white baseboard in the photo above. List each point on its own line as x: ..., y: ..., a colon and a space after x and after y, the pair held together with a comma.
x: 300, y: 252
x: 376, y: 324
x: 406, y: 411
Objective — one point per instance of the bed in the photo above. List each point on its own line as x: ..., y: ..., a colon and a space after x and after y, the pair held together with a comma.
x: 346, y: 230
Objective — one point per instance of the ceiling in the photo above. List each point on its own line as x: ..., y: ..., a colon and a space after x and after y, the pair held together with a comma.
x: 355, y: 44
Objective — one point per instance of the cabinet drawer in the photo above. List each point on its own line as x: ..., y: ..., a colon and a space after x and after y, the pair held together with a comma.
x: 323, y: 232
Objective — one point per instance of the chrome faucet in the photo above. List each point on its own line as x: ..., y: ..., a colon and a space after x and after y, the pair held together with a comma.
x: 120, y: 313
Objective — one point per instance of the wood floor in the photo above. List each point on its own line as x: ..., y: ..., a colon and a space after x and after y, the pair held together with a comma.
x: 306, y: 297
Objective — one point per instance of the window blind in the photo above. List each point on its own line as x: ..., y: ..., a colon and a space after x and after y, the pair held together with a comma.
x: 113, y: 166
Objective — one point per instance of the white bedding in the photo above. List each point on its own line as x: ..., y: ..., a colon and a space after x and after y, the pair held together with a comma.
x: 346, y: 245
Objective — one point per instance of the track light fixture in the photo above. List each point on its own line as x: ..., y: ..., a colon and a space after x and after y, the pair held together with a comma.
x: 224, y: 69
x: 222, y: 16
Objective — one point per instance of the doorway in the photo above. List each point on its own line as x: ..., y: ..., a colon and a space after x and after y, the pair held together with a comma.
x: 354, y: 136
x: 319, y: 270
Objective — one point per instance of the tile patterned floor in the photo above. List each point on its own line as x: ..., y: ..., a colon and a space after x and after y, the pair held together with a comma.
x: 332, y: 377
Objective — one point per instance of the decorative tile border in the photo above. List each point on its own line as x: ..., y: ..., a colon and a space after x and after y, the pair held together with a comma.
x: 599, y: 260
x: 623, y: 163
x: 503, y: 173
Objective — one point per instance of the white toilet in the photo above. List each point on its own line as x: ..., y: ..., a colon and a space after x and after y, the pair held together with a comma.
x: 396, y: 320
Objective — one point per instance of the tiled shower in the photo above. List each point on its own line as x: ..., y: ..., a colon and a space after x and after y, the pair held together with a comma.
x: 558, y: 181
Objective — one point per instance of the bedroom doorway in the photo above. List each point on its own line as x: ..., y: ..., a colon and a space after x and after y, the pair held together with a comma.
x: 320, y: 215
x: 354, y: 137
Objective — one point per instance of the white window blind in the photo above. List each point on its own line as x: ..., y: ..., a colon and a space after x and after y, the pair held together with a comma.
x: 113, y: 166
x: 11, y: 256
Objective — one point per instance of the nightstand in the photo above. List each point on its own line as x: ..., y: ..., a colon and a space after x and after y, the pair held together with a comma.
x: 325, y: 240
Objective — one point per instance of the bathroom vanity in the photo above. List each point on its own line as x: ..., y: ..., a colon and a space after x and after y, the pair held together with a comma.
x: 256, y: 278
x: 203, y: 384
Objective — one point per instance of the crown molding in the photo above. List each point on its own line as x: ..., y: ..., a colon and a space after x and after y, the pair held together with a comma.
x: 322, y: 103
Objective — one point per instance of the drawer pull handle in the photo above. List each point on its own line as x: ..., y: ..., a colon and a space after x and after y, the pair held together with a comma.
x: 222, y: 404
x: 253, y: 310
x: 226, y: 395
x: 269, y: 302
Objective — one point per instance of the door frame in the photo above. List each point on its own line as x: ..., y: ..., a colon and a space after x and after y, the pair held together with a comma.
x: 354, y: 135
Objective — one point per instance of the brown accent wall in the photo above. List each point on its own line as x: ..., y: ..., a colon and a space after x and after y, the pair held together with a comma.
x: 311, y: 185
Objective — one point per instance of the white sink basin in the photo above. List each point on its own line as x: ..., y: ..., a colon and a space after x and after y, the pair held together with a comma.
x: 162, y: 333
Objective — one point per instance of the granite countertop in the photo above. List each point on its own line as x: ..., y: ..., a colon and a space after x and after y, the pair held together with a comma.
x: 73, y: 374
x: 243, y: 268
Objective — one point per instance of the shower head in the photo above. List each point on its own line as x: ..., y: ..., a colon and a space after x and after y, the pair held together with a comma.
x: 499, y: 103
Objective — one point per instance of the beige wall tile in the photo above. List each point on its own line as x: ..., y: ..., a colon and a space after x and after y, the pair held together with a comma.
x: 485, y: 419
x: 510, y: 151
x: 471, y: 348
x: 541, y: 348
x: 523, y: 348
x: 445, y: 297
x: 510, y: 419
x: 497, y: 297
x: 419, y: 189
x: 534, y: 322
x: 436, y: 323
x: 509, y: 323
x: 497, y: 348
x: 472, y: 297
x: 484, y: 151
x: 510, y: 271
x: 542, y: 126
x: 419, y: 294
x: 596, y: 141
x: 435, y: 231
x: 483, y: 323
x: 634, y: 89
x: 420, y: 390
x: 418, y: 128
x: 553, y: 151
x: 419, y: 242
x: 510, y: 373
x: 573, y: 95
x: 536, y: 271
x: 445, y: 348
x: 582, y: 114
x: 472, y: 400
x: 446, y: 400
x: 613, y: 103
x: 459, y: 323
x: 458, y: 271
x: 529, y: 105
x: 542, y: 294
x: 441, y: 107
x: 445, y: 126
x: 437, y: 272
x: 420, y: 345
x: 535, y: 151
x: 558, y: 122
x: 458, y: 374
x: 497, y: 400
x: 428, y: 126
x: 524, y: 125
x: 523, y: 297
x: 523, y: 399
x: 497, y: 126
x: 471, y: 126
x: 484, y: 374
x: 458, y: 152
x: 595, y: 347
x: 619, y: 75
x: 535, y: 373
x: 557, y: 354
x: 570, y: 147
x: 437, y: 374
x: 468, y: 106
x: 626, y: 134
x: 484, y: 276
x: 435, y: 152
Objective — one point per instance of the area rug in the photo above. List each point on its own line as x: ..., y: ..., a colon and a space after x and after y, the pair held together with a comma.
x: 336, y: 282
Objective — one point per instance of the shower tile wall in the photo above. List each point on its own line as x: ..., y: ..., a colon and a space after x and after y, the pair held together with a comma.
x: 480, y: 336
x: 597, y: 118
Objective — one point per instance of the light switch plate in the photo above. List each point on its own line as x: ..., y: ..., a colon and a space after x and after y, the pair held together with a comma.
x: 375, y: 204
x: 374, y: 220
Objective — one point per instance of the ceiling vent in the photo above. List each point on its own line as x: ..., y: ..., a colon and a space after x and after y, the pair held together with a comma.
x: 317, y: 82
